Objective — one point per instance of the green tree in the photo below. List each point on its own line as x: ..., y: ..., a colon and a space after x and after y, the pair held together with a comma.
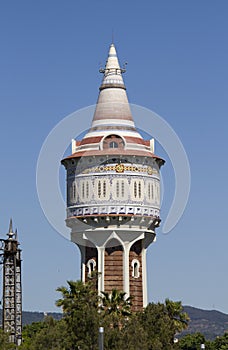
x: 153, y: 328
x: 80, y: 308
x: 177, y: 315
x: 134, y: 336
x: 191, y: 341
x: 158, y: 326
x: 221, y: 343
x: 116, y: 307
x: 4, y: 341
x: 49, y: 334
x: 131, y: 335
x: 29, y: 332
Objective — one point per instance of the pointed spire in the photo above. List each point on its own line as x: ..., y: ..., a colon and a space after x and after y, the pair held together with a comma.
x: 10, y: 233
x: 112, y: 110
x: 11, y: 226
x: 112, y: 71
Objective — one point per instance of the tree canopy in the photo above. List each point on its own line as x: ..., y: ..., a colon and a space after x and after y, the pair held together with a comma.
x: 153, y: 328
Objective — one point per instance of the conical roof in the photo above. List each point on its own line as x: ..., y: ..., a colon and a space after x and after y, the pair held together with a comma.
x: 112, y: 111
x: 112, y: 118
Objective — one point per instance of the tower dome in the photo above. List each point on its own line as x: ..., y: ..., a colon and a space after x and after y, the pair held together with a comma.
x: 113, y: 191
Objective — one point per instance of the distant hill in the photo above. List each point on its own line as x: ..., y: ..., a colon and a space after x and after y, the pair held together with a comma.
x: 211, y: 323
x: 34, y: 316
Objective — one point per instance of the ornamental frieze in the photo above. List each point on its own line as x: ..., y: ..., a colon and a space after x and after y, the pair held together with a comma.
x: 121, y: 168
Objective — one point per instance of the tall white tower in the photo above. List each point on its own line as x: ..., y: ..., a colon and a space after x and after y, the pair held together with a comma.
x: 113, y: 192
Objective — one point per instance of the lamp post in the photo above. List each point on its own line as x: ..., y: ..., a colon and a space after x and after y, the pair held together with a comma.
x: 101, y: 338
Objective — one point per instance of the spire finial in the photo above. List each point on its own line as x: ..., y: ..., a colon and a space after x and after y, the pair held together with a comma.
x: 10, y: 233
x: 112, y: 36
x: 112, y: 66
x: 11, y: 226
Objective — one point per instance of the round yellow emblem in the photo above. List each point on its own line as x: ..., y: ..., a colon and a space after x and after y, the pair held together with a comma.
x: 119, y: 168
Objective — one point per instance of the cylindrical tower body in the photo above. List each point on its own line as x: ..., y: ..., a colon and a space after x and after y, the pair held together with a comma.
x: 113, y: 193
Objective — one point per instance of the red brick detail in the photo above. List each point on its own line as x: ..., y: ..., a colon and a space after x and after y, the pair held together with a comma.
x: 137, y: 140
x: 113, y: 268
x: 136, y: 285
x: 89, y: 140
x: 112, y: 151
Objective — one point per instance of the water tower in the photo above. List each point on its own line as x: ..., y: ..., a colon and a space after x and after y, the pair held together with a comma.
x: 113, y: 192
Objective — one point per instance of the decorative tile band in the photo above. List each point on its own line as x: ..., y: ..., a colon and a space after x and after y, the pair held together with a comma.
x: 121, y: 168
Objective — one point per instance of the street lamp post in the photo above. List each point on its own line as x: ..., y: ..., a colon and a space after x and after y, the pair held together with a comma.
x: 101, y: 338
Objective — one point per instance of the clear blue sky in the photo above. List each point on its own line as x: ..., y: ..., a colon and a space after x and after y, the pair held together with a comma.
x: 177, y: 55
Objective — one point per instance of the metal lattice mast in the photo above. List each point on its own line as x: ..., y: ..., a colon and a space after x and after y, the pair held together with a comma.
x: 12, y: 298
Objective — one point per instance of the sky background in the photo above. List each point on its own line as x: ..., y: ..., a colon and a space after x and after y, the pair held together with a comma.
x: 177, y: 54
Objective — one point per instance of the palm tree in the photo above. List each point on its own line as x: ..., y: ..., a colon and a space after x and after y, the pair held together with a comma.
x: 76, y: 295
x: 79, y: 303
x: 116, y: 307
x: 176, y: 313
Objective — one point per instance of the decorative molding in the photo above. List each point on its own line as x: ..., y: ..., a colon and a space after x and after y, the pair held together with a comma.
x: 92, y: 210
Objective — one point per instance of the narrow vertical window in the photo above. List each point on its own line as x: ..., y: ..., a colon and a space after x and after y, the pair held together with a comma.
x: 149, y: 192
x: 99, y: 189
x: 91, y: 267
x: 122, y: 189
x: 104, y: 189
x: 158, y: 194
x: 117, y: 189
x: 91, y: 264
x: 83, y: 190
x: 87, y: 189
x: 140, y: 189
x: 135, y: 189
x: 135, y: 268
x: 113, y: 144
x: 74, y: 191
x: 152, y: 191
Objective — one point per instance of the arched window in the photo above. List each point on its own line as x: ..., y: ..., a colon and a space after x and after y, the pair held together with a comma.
x: 91, y: 264
x: 113, y: 141
x: 135, y: 268
x: 113, y: 144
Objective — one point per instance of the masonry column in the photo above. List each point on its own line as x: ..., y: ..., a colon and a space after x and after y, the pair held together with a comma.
x: 126, y: 280
x: 100, y: 269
